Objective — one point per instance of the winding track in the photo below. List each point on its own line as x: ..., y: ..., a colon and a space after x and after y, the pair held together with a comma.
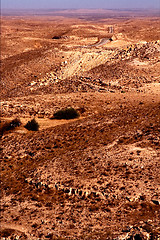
x: 102, y: 42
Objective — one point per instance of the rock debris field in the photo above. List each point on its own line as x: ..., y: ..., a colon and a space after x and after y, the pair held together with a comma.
x: 96, y: 176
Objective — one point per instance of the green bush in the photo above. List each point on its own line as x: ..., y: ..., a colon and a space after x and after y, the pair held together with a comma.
x: 68, y: 113
x: 32, y: 125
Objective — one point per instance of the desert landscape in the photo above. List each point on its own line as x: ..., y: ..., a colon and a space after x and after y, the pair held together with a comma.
x: 92, y: 176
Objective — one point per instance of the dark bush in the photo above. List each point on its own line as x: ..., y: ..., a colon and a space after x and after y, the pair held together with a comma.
x: 9, y: 125
x: 15, y: 123
x: 68, y: 113
x: 56, y: 37
x: 32, y: 125
x: 6, y: 232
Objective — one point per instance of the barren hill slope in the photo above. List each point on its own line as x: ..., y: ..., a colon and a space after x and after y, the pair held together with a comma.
x: 95, y: 176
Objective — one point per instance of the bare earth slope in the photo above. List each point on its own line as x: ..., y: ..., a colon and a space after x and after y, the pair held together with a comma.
x: 96, y: 176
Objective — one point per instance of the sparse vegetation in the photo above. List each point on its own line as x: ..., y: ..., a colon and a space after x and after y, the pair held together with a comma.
x: 10, y: 234
x: 9, y: 125
x: 56, y: 37
x: 68, y: 113
x: 32, y: 125
x: 94, y: 176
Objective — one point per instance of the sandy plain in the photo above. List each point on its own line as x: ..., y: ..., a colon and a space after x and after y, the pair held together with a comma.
x: 97, y: 176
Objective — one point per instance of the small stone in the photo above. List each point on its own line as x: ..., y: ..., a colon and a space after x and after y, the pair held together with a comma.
x: 73, y: 191
x: 127, y: 229
x: 142, y: 197
x: 51, y: 186
x: 128, y: 199
x: 156, y: 202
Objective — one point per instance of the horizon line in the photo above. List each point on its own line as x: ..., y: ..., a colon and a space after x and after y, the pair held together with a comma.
x: 139, y: 8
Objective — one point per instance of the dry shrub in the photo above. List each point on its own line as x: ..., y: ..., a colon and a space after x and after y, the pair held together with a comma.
x: 56, y: 37
x: 6, y: 232
x: 32, y: 125
x: 68, y: 113
x: 9, y: 125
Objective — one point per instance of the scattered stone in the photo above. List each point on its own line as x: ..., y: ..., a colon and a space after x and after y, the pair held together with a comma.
x: 156, y: 202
